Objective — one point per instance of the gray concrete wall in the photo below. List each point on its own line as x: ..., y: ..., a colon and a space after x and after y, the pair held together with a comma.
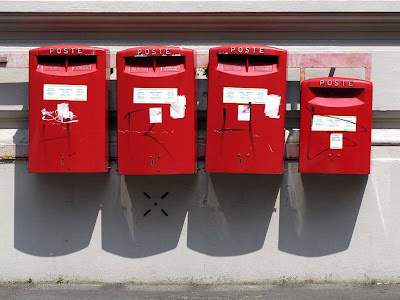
x: 220, y: 227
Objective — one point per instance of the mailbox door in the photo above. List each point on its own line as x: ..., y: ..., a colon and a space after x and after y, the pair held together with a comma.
x: 156, y: 111
x: 246, y: 109
x: 335, y: 126
x: 68, y: 102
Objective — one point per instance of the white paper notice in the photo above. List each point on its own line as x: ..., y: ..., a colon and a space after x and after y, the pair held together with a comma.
x: 272, y: 105
x: 155, y: 115
x: 155, y: 95
x: 177, y: 109
x: 334, y: 123
x: 336, y: 141
x: 245, y: 95
x: 244, y: 113
x: 65, y: 92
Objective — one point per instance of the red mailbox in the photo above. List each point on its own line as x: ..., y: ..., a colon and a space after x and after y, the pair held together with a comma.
x: 335, y: 126
x: 68, y: 102
x: 156, y: 111
x: 246, y: 109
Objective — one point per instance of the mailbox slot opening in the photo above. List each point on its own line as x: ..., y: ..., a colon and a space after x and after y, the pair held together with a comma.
x: 66, y: 63
x: 336, y: 92
x: 253, y: 63
x: 155, y: 63
x: 337, y: 97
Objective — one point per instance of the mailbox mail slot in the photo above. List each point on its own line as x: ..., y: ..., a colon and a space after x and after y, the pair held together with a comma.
x: 68, y: 102
x: 335, y: 126
x: 156, y: 111
x: 246, y: 109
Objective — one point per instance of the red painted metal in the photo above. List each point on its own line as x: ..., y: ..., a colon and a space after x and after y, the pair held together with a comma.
x: 254, y: 146
x: 68, y: 134
x: 336, y: 97
x: 145, y: 147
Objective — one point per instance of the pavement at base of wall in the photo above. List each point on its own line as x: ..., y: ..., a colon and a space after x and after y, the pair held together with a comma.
x: 66, y: 291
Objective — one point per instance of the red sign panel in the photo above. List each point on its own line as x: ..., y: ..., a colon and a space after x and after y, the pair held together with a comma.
x: 68, y: 102
x: 246, y: 109
x: 156, y: 111
x: 335, y: 126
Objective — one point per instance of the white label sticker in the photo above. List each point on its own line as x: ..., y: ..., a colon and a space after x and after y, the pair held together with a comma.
x: 245, y: 95
x: 244, y: 113
x: 336, y: 141
x: 65, y: 92
x: 155, y: 95
x: 334, y: 123
x: 155, y: 115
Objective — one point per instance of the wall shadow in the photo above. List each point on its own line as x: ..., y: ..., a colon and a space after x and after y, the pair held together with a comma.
x: 232, y: 214
x: 318, y: 212
x: 14, y: 93
x: 55, y: 214
x: 145, y: 214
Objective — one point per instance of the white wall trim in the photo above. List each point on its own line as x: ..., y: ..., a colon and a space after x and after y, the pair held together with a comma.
x: 200, y: 6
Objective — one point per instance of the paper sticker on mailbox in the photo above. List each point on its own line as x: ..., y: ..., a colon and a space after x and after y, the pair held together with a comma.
x: 334, y: 123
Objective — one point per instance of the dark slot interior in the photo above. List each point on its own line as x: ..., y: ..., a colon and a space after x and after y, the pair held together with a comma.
x: 232, y: 59
x: 87, y: 59
x: 159, y: 61
x: 139, y: 61
x: 170, y: 60
x: 263, y: 59
x: 42, y: 60
x: 336, y: 92
x: 253, y: 59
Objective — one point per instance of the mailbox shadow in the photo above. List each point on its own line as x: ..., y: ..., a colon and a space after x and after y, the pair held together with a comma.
x: 146, y: 214
x: 55, y: 214
x: 232, y: 215
x: 318, y: 212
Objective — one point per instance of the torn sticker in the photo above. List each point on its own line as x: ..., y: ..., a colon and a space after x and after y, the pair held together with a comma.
x: 336, y: 141
x: 177, y: 108
x: 61, y: 115
x: 155, y: 114
x: 244, y: 112
x: 272, y: 104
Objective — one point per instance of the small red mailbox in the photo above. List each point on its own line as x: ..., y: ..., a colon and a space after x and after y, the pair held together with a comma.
x: 335, y: 126
x: 246, y: 109
x: 156, y: 111
x: 68, y: 102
